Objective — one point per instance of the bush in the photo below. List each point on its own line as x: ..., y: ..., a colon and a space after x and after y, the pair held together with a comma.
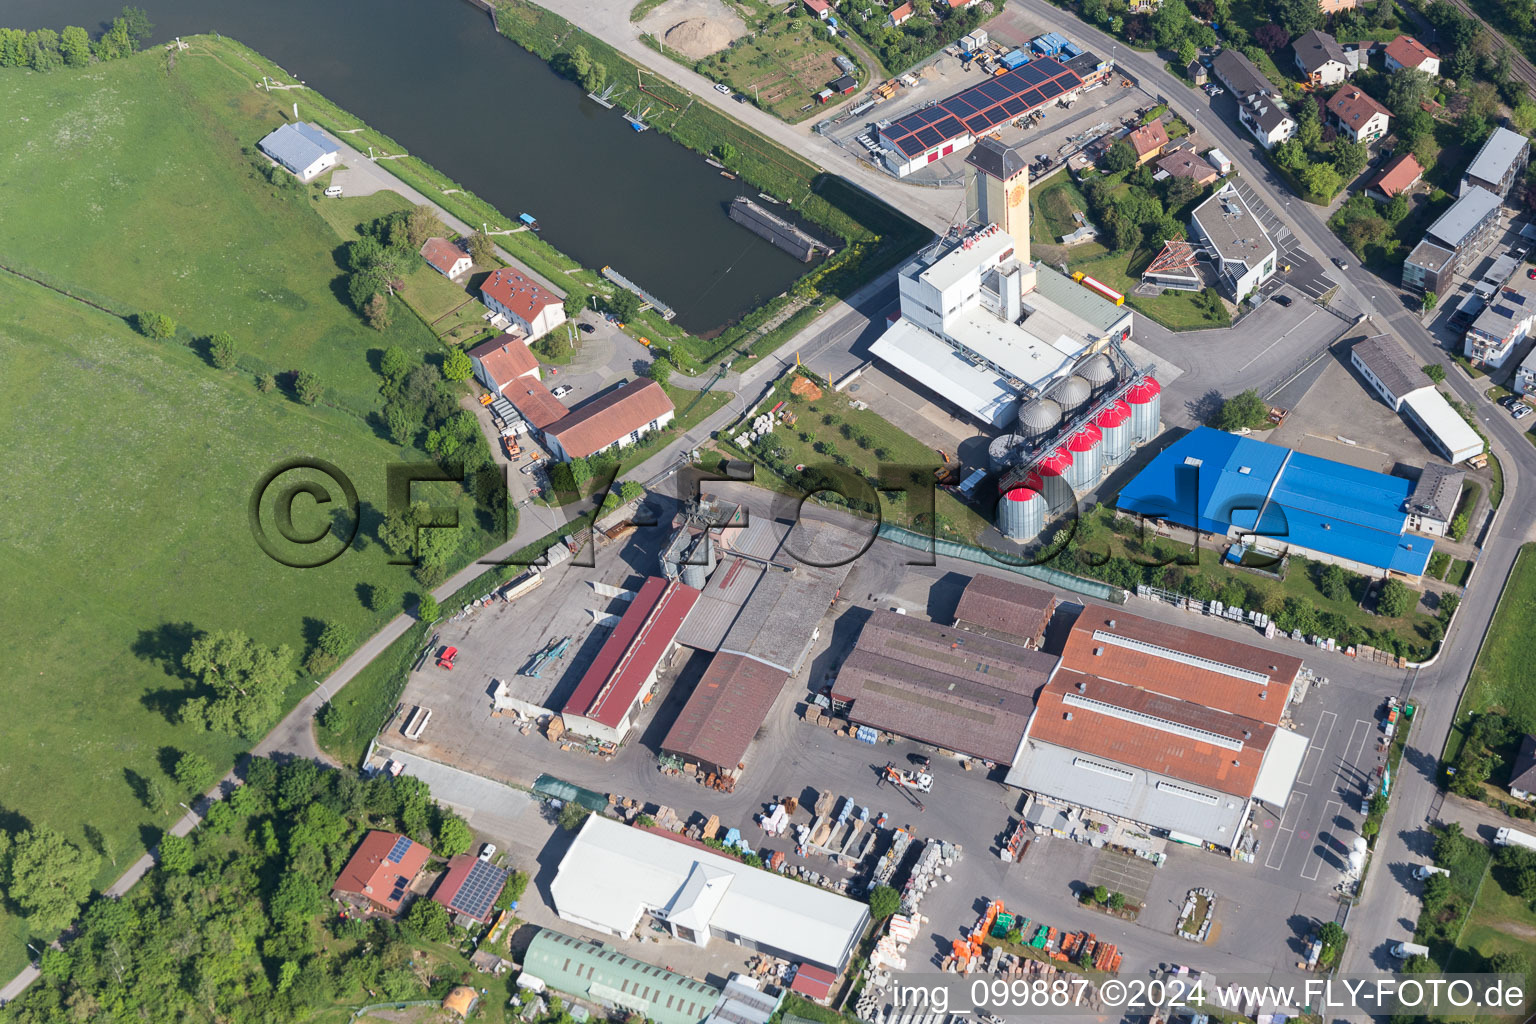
x: 426, y: 608
x: 1396, y: 599
x: 573, y: 816
x: 222, y: 351
x: 306, y: 386
x: 155, y: 325
x: 1243, y: 410
x: 265, y: 383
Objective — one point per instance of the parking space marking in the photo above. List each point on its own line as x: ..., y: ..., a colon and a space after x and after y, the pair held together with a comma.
x: 1317, y: 748
x: 1293, y: 815
x: 1260, y: 355
x: 1330, y: 810
x: 1362, y: 729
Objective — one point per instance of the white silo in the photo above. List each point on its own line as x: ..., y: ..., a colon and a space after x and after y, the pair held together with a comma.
x: 1021, y: 514
x: 1072, y: 395
x: 1145, y: 400
x: 703, y: 553
x: 1114, y: 421
x: 1003, y: 451
x: 1038, y: 418
x: 1086, y: 446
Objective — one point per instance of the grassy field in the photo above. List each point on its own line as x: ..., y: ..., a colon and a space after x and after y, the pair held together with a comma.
x: 131, y: 462
x: 1504, y: 676
x: 1177, y: 311
x: 782, y: 67
x: 1051, y: 209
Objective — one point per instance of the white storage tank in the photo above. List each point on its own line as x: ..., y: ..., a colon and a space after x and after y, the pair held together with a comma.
x: 1021, y: 514
x: 696, y: 576
x: 1072, y: 394
x: 1146, y: 402
x: 1003, y: 450
x: 1114, y: 421
x: 1087, y: 448
x: 1097, y: 371
x: 1038, y: 418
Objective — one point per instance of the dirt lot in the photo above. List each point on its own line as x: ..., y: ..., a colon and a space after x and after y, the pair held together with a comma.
x: 694, y: 28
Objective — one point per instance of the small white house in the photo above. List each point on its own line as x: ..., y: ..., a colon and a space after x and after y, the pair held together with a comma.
x: 447, y: 258
x: 302, y: 148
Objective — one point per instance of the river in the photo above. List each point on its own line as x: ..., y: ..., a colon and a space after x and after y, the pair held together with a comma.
x: 435, y: 76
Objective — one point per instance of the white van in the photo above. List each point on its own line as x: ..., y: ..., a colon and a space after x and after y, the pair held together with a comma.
x: 333, y: 191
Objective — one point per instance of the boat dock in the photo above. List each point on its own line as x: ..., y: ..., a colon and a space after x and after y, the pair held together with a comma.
x: 603, y: 99
x: 665, y: 311
x: 776, y: 230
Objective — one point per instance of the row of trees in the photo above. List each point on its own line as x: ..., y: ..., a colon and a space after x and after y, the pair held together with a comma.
x: 225, y: 927
x: 224, y: 352
x: 45, y: 49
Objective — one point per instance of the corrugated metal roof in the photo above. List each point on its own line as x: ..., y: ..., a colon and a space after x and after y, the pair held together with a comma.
x: 1391, y: 363
x: 990, y: 604
x: 613, y: 681
x: 1075, y: 299
x: 727, y: 707
x: 592, y: 971
x: 296, y: 145
x: 729, y: 588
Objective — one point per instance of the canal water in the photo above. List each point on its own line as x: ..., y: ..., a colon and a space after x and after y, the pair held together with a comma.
x: 436, y: 77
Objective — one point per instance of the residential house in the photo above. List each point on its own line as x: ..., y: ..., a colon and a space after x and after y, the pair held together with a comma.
x: 534, y: 403
x: 1142, y: 6
x: 379, y: 875
x: 1408, y: 52
x: 1321, y: 58
x: 1396, y: 176
x: 1505, y: 323
x: 1269, y: 122
x: 1234, y: 238
x: 820, y: 8
x: 615, y: 420
x: 469, y: 887
x: 1498, y: 164
x: 502, y: 361
x: 961, y: 5
x: 1195, y: 72
x: 1452, y: 242
x: 899, y: 16
x: 1186, y: 163
x: 1148, y: 141
x: 533, y: 309
x: 302, y: 148
x: 445, y: 257
x: 1522, y: 774
x: 1432, y: 505
x: 1357, y: 115
x: 1241, y: 75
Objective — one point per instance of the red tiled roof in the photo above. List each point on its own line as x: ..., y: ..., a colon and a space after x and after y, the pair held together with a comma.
x: 595, y: 425
x: 990, y: 604
x: 901, y: 14
x: 1354, y: 108
x: 442, y: 254
x: 1175, y: 678
x: 505, y: 358
x: 728, y: 705
x: 813, y: 982
x: 1408, y: 51
x: 1398, y: 175
x: 612, y: 682
x: 372, y: 874
x: 819, y: 6
x: 1148, y: 138
x: 1186, y: 164
x: 1149, y: 747
x: 534, y: 402
x: 515, y: 291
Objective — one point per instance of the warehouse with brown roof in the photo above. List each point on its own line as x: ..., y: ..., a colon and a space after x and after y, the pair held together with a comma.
x: 940, y: 685
x: 1169, y: 728
x: 1001, y: 608
x: 728, y: 705
x: 614, y: 420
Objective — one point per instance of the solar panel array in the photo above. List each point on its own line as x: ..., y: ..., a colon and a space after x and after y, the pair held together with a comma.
x: 397, y: 852
x: 982, y: 107
x: 481, y: 887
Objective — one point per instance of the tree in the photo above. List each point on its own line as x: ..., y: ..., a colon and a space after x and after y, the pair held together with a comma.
x: 1451, y: 845
x: 884, y: 902
x: 1243, y: 410
x: 50, y: 877
x: 155, y: 325
x: 1187, y: 52
x: 1170, y: 22
x: 1116, y: 901
x: 246, y: 679
x: 266, y: 383
x: 376, y: 312
x: 1396, y: 209
x: 1473, y: 129
x: 624, y: 305
x: 1523, y: 118
x: 137, y: 24
x: 422, y: 223
x: 222, y: 351
x: 1100, y: 894
x: 1096, y: 12
x: 1426, y: 304
x: 1119, y: 157
x: 481, y: 249
x: 426, y: 608
x: 458, y: 367
x: 307, y: 386
x: 427, y: 920
x: 1335, y: 583
x: 157, y: 798
x: 1297, y: 15
x: 1322, y: 180
x: 1370, y: 827
x: 659, y: 370
x: 75, y: 45
x: 395, y: 363
x: 572, y: 816
x: 45, y: 55
x: 453, y: 836
x: 1396, y: 599
x: 1508, y: 963
x: 176, y: 854
x: 194, y: 772
x: 1349, y: 158
x: 1271, y: 37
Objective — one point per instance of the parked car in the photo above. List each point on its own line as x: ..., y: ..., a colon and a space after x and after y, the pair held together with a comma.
x: 1531, y: 273
x: 561, y: 391
x: 487, y: 851
x: 1340, y: 263
x: 723, y: 90
x: 1284, y: 300
x: 1522, y: 411
x: 333, y: 191
x: 587, y: 328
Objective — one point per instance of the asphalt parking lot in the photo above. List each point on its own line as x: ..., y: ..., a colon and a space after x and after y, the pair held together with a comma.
x: 1307, y: 275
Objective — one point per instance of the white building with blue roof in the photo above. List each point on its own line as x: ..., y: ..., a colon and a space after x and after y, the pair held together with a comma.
x: 1282, y: 501
x: 302, y: 148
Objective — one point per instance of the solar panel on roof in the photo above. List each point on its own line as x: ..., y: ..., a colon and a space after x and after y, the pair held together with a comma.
x: 950, y: 126
x: 480, y: 889
x: 397, y: 851
x: 959, y: 105
x: 1013, y: 107
x: 909, y: 145
x: 978, y: 124
x: 929, y: 138
x: 995, y: 91
x: 1032, y: 74
x: 1052, y: 88
x: 930, y: 115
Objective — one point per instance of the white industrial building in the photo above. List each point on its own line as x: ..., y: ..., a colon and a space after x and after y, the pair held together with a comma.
x: 980, y: 324
x: 1243, y: 254
x: 302, y: 148
x: 1397, y: 377
x: 614, y: 876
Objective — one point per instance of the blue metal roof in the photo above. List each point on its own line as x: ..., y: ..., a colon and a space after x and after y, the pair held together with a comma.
x: 1212, y: 480
x: 297, y: 145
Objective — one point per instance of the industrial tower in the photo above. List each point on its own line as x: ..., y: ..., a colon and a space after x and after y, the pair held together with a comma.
x: 997, y: 192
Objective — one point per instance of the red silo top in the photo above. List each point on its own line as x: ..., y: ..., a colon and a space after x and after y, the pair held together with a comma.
x: 1085, y: 439
x: 1143, y: 391
x: 1113, y: 415
x: 1056, y: 463
x: 1034, y: 482
x: 1021, y: 494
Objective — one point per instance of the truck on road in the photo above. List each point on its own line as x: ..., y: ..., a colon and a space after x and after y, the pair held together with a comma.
x: 1509, y: 837
x: 1404, y: 950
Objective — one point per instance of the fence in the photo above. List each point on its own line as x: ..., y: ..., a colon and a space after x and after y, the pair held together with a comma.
x: 982, y: 556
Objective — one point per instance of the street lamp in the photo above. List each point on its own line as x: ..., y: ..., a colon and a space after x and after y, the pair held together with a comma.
x: 323, y: 695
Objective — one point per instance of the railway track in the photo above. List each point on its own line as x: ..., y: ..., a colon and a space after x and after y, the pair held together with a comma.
x: 1520, y: 68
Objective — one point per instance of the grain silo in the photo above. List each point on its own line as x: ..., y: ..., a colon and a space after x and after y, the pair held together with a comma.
x: 1038, y: 418
x: 1114, y: 421
x: 1050, y: 479
x: 699, y: 563
x: 1021, y: 514
x: 1145, y: 400
x: 1087, y: 447
x: 1097, y: 371
x: 1003, y: 451
x: 1072, y: 395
